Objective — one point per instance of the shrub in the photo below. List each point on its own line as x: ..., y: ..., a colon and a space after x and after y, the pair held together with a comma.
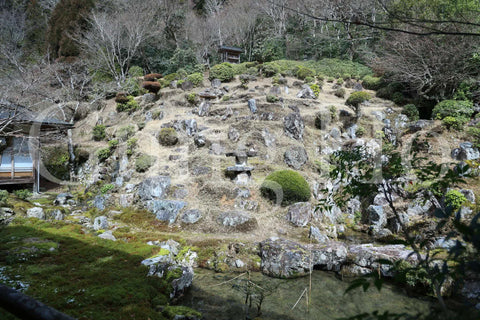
x: 455, y: 123
x: 3, y: 197
x: 372, y: 83
x: 131, y: 144
x: 168, y: 137
x: 99, y: 132
x: 124, y: 133
x: 196, y: 79
x: 356, y: 98
x: 316, y: 89
x: 270, y: 69
x: 132, y: 86
x: 309, y: 80
x: 411, y: 111
x: 474, y: 132
x: 285, y: 186
x: 56, y: 160
x: 303, y: 72
x: 272, y: 98
x: 152, y: 76
x: 398, y: 98
x: 226, y: 98
x: 340, y: 81
x: 360, y: 131
x: 191, y: 97
x: 333, y: 112
x: 113, y: 144
x: 144, y: 162
x: 388, y: 91
x: 129, y: 106
x: 453, y: 108
x: 23, y: 194
x: 103, y: 154
x: 339, y: 92
x: 121, y: 97
x: 223, y: 71
x: 135, y: 71
x: 106, y: 188
x: 182, y: 74
x: 151, y: 86
x: 454, y: 199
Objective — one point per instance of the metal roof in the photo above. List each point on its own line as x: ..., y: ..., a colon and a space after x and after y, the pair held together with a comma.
x: 227, y: 48
x: 22, y: 114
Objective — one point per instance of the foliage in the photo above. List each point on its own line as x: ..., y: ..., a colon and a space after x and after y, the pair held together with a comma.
x: 183, y: 58
x: 56, y: 160
x: 304, y: 72
x: 474, y: 132
x: 454, y: 199
x: 453, y: 108
x: 315, y: 88
x: 285, y: 187
x: 411, y: 111
x: 106, y: 188
x: 23, y: 194
x: 125, y: 132
x: 196, y: 79
x: 3, y: 197
x: 135, y: 71
x: 168, y: 137
x: 340, y: 81
x: 272, y: 98
x: 103, y: 154
x: 113, y: 144
x: 371, y: 82
x: 173, y: 312
x: 99, y: 132
x: 144, y: 162
x: 340, y: 92
x: 223, y: 71
x: 131, y: 144
x: 456, y: 123
x: 130, y: 106
x: 270, y: 69
x: 388, y: 91
x: 360, y: 131
x: 269, y: 50
x: 191, y: 97
x: 132, y: 86
x: 356, y: 98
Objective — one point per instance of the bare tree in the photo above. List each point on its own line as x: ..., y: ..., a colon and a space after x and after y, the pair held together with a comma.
x: 12, y: 35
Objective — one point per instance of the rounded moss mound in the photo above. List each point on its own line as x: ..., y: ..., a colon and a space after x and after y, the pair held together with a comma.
x: 285, y: 187
x: 223, y: 71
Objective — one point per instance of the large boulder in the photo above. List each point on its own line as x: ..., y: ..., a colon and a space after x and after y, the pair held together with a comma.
x: 237, y: 220
x: 294, y: 126
x: 300, y: 214
x: 466, y: 152
x: 306, y: 93
x: 284, y: 258
x: 166, y: 210
x: 376, y: 216
x: 62, y: 199
x: 154, y: 188
x: 252, y: 105
x: 36, y: 212
x: 295, y: 157
x: 329, y: 257
x: 100, y: 223
x: 204, y: 109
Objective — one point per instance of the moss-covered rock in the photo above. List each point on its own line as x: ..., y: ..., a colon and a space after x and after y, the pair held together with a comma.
x: 168, y: 137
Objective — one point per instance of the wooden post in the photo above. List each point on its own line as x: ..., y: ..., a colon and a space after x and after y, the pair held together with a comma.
x: 35, y: 154
x: 12, y: 163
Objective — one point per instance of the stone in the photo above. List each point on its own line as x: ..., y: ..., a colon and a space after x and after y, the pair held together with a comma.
x: 242, y: 193
x: 154, y: 188
x: 100, y: 223
x: 275, y: 91
x: 469, y: 195
x: 352, y: 131
x: 316, y: 234
x: 376, y: 216
x: 216, y: 83
x: 100, y: 202
x: 190, y: 127
x: 237, y: 220
x: 419, y: 207
x: 126, y: 200
x: 62, y: 199
x: 6, y: 215
x: 466, y: 152
x: 445, y: 243
x: 233, y: 134
x: 299, y: 214
x: 56, y: 214
x: 149, y: 98
x: 180, y: 192
x: 217, y: 149
x: 108, y: 235
x: 353, y: 206
x: 239, y: 263
x: 191, y: 216
x: 204, y: 109
x: 199, y: 140
x: 268, y: 138
x: 242, y: 179
x: 294, y: 126
x: 400, y: 122
x: 36, y: 212
x: 419, y: 125
x: 201, y: 170
x: 306, y: 93
x: 284, y: 258
x: 166, y: 210
x: 357, y: 87
x: 187, y: 85
x: 173, y: 84
x: 295, y: 157
x: 252, y: 105
x: 243, y: 204
x: 335, y: 133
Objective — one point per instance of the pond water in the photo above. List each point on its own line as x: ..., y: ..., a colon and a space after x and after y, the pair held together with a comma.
x: 214, y: 295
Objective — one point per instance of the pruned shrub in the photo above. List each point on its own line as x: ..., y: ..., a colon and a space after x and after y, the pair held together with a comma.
x: 99, y: 132
x: 144, y: 162
x: 285, y: 187
x: 125, y: 132
x: 356, y: 98
x: 167, y: 137
x: 151, y: 86
x: 340, y: 81
x: 152, y: 76
x: 122, y: 97
x: 304, y: 72
x: 456, y: 123
x: 411, y: 111
x: 372, y: 83
x: 196, y: 79
x: 453, y: 108
x: 454, y: 199
x: 339, y: 92
x: 272, y: 98
x: 191, y: 97
x: 103, y: 154
x: 316, y: 89
x: 129, y: 106
x: 270, y: 69
x: 223, y: 71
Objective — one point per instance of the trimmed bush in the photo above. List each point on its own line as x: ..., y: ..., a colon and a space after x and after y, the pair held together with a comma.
x: 456, y: 123
x: 103, y: 154
x: 113, y: 144
x: 316, y: 89
x: 121, y: 97
x: 144, y: 162
x: 151, y: 86
x: 340, y: 81
x: 272, y: 98
x: 152, y: 76
x: 99, y: 132
x: 223, y: 71
x: 285, y: 187
x: 356, y: 98
x: 191, y: 97
x: 130, y: 106
x: 372, y: 83
x: 340, y: 92
x: 270, y: 69
x: 168, y: 137
x: 411, y: 111
x: 304, y: 72
x: 453, y: 108
x: 196, y: 79
x: 454, y: 199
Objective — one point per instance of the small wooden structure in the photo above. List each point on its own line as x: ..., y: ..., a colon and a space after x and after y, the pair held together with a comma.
x: 20, y: 145
x: 230, y: 54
